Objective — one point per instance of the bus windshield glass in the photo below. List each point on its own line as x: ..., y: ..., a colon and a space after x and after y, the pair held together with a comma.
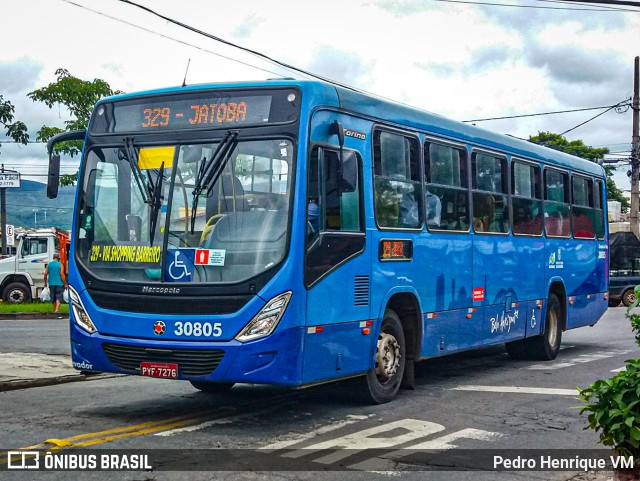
x: 214, y: 212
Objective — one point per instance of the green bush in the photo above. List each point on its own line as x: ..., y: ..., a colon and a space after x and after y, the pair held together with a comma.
x: 614, y: 404
x: 614, y: 411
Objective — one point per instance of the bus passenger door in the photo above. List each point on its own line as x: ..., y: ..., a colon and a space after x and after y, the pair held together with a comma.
x: 336, y: 271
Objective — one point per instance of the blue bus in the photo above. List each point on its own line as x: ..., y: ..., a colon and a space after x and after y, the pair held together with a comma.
x: 297, y: 232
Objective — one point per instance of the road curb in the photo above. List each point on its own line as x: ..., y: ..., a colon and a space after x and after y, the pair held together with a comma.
x: 17, y: 316
x: 12, y: 385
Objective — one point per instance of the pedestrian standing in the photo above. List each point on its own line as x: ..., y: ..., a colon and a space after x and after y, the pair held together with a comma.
x: 56, y: 280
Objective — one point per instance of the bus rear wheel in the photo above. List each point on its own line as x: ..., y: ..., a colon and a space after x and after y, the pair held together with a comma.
x: 383, y: 382
x: 628, y: 297
x: 212, y: 387
x: 546, y: 346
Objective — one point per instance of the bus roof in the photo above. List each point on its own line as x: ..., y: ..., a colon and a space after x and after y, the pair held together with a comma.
x: 361, y: 104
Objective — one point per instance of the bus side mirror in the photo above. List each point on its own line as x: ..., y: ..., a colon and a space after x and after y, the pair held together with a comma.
x: 53, y: 178
x: 348, y: 172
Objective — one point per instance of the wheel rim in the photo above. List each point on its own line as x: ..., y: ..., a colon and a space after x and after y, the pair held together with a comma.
x: 387, y: 357
x: 17, y: 296
x: 552, y: 328
x: 631, y: 297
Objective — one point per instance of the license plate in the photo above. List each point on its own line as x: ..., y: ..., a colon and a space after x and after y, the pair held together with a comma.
x: 159, y: 369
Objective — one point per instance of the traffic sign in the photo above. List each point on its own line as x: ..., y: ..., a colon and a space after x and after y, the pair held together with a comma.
x: 9, y: 180
x: 10, y: 235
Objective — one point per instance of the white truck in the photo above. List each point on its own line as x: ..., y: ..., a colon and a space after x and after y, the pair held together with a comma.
x: 22, y: 275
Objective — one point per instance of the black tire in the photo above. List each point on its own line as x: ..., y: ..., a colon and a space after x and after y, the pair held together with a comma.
x: 614, y: 302
x: 212, y: 387
x: 16, y: 293
x: 546, y: 346
x: 628, y: 297
x: 382, y: 382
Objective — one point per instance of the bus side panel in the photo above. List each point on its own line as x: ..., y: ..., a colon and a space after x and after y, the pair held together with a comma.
x: 336, y: 350
x: 585, y: 310
x: 443, y: 332
x: 442, y: 270
x: 505, y: 322
x: 582, y: 283
x: 508, y: 272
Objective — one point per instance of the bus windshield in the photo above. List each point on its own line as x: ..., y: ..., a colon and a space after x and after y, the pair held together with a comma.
x: 212, y: 212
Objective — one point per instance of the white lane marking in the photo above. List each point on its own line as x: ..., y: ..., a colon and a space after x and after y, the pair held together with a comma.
x: 519, y: 390
x: 620, y: 369
x: 297, y: 438
x: 398, y: 432
x: 582, y: 358
x: 389, y: 462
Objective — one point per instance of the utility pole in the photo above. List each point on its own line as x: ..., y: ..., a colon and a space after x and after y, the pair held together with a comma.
x: 635, y: 151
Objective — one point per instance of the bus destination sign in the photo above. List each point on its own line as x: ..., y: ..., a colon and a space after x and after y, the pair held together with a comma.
x: 176, y: 113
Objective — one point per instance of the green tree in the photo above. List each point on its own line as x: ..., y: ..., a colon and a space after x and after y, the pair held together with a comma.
x: 15, y: 129
x: 579, y: 149
x: 78, y: 96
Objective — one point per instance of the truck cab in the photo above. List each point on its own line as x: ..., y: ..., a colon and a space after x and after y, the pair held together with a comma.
x: 22, y: 275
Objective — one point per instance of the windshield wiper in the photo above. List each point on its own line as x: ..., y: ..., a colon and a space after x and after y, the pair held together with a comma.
x: 131, y: 155
x: 151, y: 193
x: 155, y: 201
x: 210, y: 171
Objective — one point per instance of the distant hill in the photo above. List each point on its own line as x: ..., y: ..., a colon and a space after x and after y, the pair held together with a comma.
x: 29, y: 204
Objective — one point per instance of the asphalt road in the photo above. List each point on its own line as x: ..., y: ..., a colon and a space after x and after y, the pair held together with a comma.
x: 480, y: 400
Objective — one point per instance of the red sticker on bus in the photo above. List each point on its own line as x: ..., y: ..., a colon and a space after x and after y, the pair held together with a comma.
x: 478, y: 294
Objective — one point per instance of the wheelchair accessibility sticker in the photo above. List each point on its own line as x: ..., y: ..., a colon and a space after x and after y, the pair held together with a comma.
x: 180, y: 265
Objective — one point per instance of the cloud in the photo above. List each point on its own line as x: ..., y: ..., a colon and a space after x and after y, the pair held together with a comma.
x: 247, y: 26
x: 341, y: 65
x: 18, y: 76
x: 572, y: 64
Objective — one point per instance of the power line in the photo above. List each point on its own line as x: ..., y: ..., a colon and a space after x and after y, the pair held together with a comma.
x: 244, y: 49
x: 170, y: 38
x: 578, y: 2
x: 509, y: 5
x: 545, y: 113
x: 630, y: 3
x: 620, y: 105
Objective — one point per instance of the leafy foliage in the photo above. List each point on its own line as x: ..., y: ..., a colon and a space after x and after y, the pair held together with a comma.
x: 613, y: 409
x: 614, y: 404
x: 574, y: 147
x: 15, y: 129
x: 579, y: 149
x: 79, y: 97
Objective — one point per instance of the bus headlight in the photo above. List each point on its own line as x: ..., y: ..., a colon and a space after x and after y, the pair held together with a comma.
x: 266, y: 320
x: 79, y: 313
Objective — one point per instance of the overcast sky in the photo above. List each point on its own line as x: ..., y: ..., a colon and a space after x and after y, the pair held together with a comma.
x: 464, y: 61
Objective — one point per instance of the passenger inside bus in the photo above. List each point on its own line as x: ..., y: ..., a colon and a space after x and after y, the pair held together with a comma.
x: 483, y: 212
x: 434, y: 209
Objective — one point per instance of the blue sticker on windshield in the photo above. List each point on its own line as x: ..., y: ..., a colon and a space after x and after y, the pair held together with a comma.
x: 180, y: 265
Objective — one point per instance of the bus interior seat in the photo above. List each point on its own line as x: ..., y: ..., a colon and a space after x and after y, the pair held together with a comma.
x: 227, y: 196
x: 249, y: 239
x: 211, y: 223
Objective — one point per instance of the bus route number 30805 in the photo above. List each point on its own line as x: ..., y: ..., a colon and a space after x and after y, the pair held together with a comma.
x: 198, y: 329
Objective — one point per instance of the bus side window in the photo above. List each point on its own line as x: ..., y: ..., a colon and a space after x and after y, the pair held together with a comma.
x: 582, y: 210
x: 446, y: 194
x: 335, y: 221
x: 490, y: 193
x: 556, y: 208
x: 330, y: 206
x: 397, y: 185
x: 526, y: 198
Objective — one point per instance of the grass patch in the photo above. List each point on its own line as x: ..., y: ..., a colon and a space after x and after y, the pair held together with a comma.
x: 36, y: 307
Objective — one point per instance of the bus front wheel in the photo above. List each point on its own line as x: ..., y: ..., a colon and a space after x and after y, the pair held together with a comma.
x: 383, y: 382
x: 212, y: 387
x: 546, y: 346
